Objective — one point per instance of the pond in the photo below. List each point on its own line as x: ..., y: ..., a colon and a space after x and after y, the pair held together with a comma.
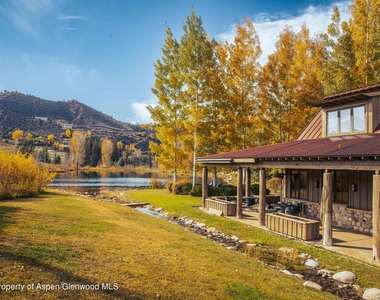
x: 94, y: 181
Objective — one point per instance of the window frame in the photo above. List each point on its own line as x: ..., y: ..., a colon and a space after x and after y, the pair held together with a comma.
x: 296, y: 185
x: 337, y: 113
x: 345, y: 192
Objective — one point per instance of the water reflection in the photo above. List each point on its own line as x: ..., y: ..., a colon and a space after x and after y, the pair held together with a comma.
x: 94, y: 182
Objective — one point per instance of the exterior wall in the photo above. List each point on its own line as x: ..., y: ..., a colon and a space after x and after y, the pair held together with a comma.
x: 357, y: 215
x: 342, y: 216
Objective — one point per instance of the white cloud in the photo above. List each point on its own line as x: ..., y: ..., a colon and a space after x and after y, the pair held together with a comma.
x: 268, y: 27
x: 140, y: 112
x: 24, y: 13
x: 65, y: 17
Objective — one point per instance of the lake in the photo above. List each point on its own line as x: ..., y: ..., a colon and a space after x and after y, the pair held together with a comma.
x: 94, y: 182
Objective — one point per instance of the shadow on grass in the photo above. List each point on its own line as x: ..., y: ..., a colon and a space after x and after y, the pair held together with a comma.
x: 6, y: 213
x: 68, y: 277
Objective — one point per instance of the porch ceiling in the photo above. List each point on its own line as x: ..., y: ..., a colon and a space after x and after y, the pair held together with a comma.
x: 359, y: 152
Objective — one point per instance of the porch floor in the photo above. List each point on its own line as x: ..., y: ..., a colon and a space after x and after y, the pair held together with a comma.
x: 350, y: 243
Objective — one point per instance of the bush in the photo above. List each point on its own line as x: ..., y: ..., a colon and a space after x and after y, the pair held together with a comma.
x: 228, y: 190
x: 196, y: 190
x: 256, y: 189
x: 182, y: 187
x: 169, y: 186
x: 21, y: 176
x: 156, y: 183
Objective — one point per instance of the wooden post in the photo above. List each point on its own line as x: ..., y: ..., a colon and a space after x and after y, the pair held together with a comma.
x: 262, y: 195
x: 239, y: 204
x: 376, y: 216
x: 248, y: 182
x: 327, y: 208
x: 204, y: 186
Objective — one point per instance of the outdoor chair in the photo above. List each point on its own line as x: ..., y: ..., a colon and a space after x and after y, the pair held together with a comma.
x: 269, y: 207
x: 293, y: 210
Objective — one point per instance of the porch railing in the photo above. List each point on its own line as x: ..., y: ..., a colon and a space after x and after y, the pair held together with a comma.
x: 226, y: 207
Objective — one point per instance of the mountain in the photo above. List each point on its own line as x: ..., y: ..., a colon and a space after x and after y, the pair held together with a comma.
x: 43, y: 117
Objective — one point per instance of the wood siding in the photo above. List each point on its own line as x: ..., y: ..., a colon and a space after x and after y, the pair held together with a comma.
x: 359, y: 199
x: 314, y: 129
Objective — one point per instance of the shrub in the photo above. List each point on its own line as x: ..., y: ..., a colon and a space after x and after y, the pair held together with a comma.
x: 256, y: 189
x: 169, y: 186
x: 274, y: 184
x: 214, y: 191
x: 156, y: 183
x: 21, y: 176
x: 182, y: 187
x: 196, y: 190
x: 228, y: 190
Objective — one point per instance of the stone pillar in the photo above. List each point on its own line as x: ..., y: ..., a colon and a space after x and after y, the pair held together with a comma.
x: 327, y: 208
x: 262, y: 194
x: 376, y: 216
x: 204, y: 186
x: 239, y: 202
x: 248, y: 182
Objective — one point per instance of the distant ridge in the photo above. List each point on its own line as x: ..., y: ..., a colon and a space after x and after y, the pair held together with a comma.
x: 44, y: 117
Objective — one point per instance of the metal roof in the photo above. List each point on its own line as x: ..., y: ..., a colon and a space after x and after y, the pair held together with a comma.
x: 363, y: 146
x: 358, y: 94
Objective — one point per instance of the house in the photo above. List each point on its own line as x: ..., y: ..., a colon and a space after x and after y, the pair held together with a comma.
x: 67, y: 126
x: 41, y: 118
x: 333, y: 165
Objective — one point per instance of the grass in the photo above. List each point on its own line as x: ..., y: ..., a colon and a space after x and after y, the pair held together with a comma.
x: 60, y: 238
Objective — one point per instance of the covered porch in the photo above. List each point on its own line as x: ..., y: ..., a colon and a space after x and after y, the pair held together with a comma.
x: 328, y: 155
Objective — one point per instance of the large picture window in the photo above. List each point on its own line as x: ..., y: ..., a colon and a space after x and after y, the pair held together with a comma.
x: 298, y: 186
x: 341, y: 187
x: 347, y: 120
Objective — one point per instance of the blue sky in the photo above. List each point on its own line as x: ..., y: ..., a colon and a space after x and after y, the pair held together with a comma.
x: 101, y: 52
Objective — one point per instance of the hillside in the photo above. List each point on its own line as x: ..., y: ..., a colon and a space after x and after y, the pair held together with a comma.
x: 44, y: 117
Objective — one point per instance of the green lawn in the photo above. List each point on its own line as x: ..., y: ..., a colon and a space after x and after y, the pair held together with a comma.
x: 61, y: 242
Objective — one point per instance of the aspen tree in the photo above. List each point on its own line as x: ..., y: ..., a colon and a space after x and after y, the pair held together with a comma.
x: 77, y: 147
x: 169, y: 113
x: 107, y: 149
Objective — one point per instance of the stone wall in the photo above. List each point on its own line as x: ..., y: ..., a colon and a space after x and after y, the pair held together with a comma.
x: 344, y: 217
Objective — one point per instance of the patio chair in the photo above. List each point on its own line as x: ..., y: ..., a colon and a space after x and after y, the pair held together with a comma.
x: 293, y: 210
x: 269, y: 207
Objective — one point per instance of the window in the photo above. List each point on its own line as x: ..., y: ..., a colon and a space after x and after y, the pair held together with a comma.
x: 341, y: 187
x: 346, y: 120
x: 298, y: 185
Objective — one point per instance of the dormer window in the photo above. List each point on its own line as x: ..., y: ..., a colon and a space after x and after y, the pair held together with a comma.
x: 347, y: 120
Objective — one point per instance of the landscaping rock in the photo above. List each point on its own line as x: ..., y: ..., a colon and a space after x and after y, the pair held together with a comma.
x: 312, y: 264
x: 345, y: 277
x: 189, y: 222
x: 371, y: 294
x: 231, y: 248
x: 312, y: 285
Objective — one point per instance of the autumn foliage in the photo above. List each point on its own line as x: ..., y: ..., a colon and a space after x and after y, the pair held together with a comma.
x: 21, y: 176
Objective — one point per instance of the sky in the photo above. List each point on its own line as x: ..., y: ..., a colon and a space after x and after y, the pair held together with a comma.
x: 102, y: 52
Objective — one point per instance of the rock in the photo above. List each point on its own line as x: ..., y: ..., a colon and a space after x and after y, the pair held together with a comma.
x: 200, y: 225
x: 299, y: 276
x: 312, y: 285
x: 251, y: 245
x: 371, y: 294
x: 215, y: 212
x: 235, y: 238
x: 287, y: 272
x: 345, y: 277
x: 189, y: 222
x: 158, y: 209
x: 211, y: 229
x: 312, y: 264
x: 324, y: 273
x: 231, y: 248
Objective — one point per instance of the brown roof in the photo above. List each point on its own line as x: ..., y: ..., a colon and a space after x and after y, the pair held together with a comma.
x: 358, y: 94
x: 361, y: 145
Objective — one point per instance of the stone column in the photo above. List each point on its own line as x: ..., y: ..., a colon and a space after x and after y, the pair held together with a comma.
x: 376, y: 216
x: 327, y: 208
x: 204, y: 186
x: 239, y: 202
x: 262, y: 194
x: 248, y: 182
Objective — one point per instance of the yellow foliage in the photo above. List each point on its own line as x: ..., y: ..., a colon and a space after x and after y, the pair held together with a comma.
x: 21, y: 176
x: 17, y: 135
